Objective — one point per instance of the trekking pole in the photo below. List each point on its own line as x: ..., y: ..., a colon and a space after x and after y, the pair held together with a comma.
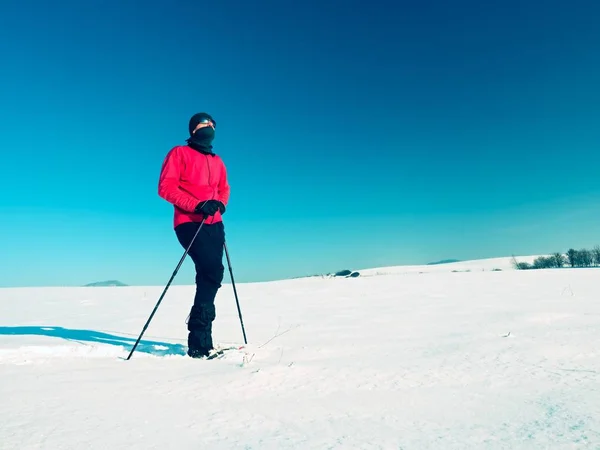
x: 166, y: 287
x: 235, y: 293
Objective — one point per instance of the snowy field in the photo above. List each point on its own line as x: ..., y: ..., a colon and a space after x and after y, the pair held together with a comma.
x: 396, y: 360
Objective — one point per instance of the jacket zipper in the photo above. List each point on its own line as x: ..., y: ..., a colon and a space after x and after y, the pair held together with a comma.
x: 209, y: 183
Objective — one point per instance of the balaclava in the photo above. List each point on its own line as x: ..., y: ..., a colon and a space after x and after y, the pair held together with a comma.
x: 202, y: 139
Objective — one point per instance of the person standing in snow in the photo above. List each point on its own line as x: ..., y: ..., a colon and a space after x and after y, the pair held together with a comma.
x: 194, y: 180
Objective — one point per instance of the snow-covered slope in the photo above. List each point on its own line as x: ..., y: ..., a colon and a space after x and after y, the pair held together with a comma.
x: 443, y: 360
x: 478, y: 265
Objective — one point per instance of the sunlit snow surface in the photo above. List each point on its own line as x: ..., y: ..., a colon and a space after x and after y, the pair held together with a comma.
x: 454, y: 356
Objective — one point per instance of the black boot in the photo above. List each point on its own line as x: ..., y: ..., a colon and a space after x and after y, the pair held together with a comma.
x: 200, y: 341
x: 196, y: 353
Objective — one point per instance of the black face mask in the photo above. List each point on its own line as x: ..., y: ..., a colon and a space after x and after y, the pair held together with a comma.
x: 202, y: 139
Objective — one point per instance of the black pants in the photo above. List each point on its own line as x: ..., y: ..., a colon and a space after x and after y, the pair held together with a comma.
x: 207, y: 254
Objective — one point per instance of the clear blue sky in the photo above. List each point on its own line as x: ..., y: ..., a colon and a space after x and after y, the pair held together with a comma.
x: 356, y: 134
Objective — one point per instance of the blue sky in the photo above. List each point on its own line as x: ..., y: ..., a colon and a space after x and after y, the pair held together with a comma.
x: 356, y: 134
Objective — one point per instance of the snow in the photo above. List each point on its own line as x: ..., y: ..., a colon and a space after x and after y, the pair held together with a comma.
x: 404, y: 360
x: 489, y: 264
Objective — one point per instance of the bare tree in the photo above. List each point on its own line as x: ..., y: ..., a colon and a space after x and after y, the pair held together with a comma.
x: 520, y: 265
x: 559, y: 260
x: 585, y: 258
x: 572, y: 257
x: 543, y: 262
x: 596, y: 255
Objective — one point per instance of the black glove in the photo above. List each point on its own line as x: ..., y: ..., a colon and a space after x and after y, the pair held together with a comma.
x: 210, y: 207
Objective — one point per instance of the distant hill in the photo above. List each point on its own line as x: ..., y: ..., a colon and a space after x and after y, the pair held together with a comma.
x: 443, y: 261
x: 106, y: 283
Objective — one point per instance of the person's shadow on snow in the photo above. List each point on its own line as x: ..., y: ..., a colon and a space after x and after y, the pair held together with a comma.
x: 145, y: 346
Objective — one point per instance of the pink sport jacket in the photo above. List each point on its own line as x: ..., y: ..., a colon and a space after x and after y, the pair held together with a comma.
x: 189, y: 177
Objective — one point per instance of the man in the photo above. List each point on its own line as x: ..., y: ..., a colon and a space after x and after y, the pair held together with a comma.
x: 194, y: 180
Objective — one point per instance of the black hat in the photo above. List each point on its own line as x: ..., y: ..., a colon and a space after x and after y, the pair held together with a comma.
x: 196, y: 118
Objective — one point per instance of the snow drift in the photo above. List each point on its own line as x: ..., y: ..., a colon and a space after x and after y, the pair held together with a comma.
x: 434, y: 360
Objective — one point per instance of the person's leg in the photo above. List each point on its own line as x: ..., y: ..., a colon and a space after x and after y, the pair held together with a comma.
x: 207, y: 254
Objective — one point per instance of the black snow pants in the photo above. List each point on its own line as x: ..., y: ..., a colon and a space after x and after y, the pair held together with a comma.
x: 207, y: 254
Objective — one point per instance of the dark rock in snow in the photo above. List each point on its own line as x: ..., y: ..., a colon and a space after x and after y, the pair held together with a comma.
x: 347, y: 274
x: 343, y: 273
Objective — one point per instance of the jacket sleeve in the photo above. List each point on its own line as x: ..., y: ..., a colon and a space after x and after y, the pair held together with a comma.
x: 168, y: 183
x: 223, y: 187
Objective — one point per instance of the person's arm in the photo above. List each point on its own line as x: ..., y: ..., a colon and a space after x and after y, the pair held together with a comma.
x: 168, y: 183
x: 223, y: 189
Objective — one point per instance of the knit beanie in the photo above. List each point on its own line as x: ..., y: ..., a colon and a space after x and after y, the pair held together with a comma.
x: 196, y: 118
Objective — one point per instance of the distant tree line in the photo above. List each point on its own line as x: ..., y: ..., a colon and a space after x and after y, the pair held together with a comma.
x: 572, y: 258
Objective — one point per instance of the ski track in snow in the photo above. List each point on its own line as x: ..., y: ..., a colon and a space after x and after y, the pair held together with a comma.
x: 405, y: 360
